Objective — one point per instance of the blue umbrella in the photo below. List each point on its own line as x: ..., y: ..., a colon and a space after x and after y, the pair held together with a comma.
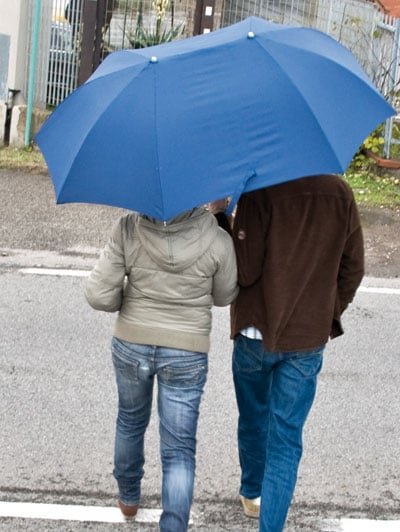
x: 163, y: 129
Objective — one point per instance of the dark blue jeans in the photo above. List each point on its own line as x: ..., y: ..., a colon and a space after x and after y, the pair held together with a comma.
x: 274, y: 393
x: 181, y: 376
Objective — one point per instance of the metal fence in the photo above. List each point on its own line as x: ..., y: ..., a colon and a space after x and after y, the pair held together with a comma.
x: 373, y: 37
x: 58, y: 51
x: 358, y: 24
x: 137, y: 23
x: 64, y: 51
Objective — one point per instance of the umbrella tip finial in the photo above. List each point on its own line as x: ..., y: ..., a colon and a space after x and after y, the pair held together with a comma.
x: 251, y: 35
x: 153, y: 59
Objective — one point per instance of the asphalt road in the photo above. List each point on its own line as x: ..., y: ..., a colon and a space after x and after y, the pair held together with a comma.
x: 30, y: 220
x: 58, y: 401
x: 58, y: 407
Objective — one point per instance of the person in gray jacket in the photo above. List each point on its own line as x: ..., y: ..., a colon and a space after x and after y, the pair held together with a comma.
x: 162, y: 278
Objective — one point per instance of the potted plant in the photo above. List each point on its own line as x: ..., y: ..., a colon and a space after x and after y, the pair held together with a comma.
x: 373, y: 148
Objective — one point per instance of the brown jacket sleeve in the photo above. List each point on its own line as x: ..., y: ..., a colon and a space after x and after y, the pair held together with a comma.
x: 351, y: 269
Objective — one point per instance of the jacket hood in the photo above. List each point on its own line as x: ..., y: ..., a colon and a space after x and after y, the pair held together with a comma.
x: 178, y: 243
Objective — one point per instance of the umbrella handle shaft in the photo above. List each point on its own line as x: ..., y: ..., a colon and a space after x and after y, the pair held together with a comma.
x: 238, y: 192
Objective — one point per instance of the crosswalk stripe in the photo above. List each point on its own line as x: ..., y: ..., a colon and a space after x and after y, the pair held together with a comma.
x: 376, y: 290
x: 55, y: 271
x: 101, y: 514
x: 84, y: 273
x: 359, y: 525
x: 63, y: 512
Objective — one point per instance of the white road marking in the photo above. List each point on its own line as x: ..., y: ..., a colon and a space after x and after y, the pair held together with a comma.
x: 101, y: 514
x: 84, y: 273
x: 55, y: 271
x: 63, y: 512
x: 375, y: 290
x: 360, y: 525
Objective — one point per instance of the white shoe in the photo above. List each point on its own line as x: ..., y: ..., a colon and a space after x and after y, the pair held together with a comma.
x: 251, y: 507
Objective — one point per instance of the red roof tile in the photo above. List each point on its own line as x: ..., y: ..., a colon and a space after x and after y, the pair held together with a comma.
x: 391, y: 7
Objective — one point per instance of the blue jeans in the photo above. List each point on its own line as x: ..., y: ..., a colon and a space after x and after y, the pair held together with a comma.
x: 274, y: 393
x: 181, y: 376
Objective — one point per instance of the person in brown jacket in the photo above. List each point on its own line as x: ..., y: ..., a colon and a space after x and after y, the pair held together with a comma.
x: 299, y: 249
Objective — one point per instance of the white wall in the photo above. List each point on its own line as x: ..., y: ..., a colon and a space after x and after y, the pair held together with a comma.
x: 13, y: 23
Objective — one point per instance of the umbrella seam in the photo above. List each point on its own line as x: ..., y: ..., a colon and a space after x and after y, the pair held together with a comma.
x: 90, y: 80
x: 156, y: 138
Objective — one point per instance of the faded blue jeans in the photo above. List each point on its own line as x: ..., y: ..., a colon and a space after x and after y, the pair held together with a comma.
x: 181, y: 376
x: 274, y: 393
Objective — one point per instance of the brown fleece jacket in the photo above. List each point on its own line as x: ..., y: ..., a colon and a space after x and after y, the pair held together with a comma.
x: 300, y: 254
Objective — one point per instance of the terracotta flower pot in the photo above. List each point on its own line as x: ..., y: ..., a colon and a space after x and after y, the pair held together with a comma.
x: 394, y: 164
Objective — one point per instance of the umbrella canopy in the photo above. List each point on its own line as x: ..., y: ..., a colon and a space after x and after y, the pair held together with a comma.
x: 166, y: 128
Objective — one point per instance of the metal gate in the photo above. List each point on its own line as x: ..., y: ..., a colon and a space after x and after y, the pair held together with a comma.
x: 358, y: 24
x: 64, y: 51
x: 58, y: 51
x: 76, y: 35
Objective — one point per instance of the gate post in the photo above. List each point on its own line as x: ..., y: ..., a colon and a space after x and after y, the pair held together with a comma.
x: 96, y: 17
x: 89, y: 18
x: 204, y: 16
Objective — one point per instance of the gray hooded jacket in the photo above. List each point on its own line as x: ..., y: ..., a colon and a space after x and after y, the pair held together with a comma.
x: 163, y: 278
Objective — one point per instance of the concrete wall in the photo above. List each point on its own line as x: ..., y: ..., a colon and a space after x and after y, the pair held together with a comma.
x: 16, y: 18
x: 4, y: 59
x: 18, y: 122
x: 3, y: 117
x: 13, y: 45
x: 13, y: 23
